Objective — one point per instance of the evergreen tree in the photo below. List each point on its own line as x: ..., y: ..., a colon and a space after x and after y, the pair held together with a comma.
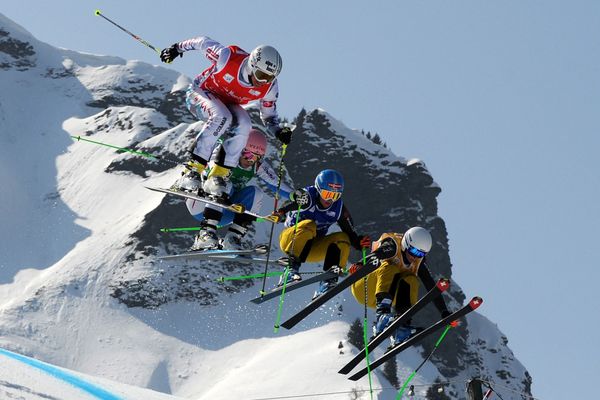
x: 356, y: 335
x: 390, y: 371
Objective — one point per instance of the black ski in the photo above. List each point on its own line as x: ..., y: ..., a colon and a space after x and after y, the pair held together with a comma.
x: 437, y: 290
x: 473, y: 304
x: 293, y: 286
x: 372, y: 263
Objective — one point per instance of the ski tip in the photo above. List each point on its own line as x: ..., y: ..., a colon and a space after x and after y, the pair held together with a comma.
x: 344, y: 371
x: 443, y: 284
x: 97, y: 12
x: 475, y: 302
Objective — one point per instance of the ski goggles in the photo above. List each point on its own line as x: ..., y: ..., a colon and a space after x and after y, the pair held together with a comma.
x: 263, y: 77
x: 250, y: 156
x: 413, y: 251
x: 330, y: 195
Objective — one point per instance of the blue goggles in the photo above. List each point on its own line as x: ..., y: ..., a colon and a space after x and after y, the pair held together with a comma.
x: 413, y: 251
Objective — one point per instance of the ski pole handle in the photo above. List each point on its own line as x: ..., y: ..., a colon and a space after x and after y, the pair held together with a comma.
x: 136, y: 37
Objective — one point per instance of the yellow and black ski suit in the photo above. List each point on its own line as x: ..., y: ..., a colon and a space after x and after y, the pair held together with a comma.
x: 309, y: 240
x: 396, y: 280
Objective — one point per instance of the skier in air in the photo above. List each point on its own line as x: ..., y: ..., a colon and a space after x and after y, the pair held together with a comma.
x: 394, y: 287
x: 319, y: 207
x: 251, y: 164
x: 217, y: 95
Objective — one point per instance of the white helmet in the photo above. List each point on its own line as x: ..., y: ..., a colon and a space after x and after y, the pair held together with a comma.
x: 265, y: 63
x: 416, y: 241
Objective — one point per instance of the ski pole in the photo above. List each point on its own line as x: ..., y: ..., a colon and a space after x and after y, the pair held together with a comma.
x: 237, y: 278
x: 136, y: 37
x: 443, y: 335
x: 125, y: 149
x: 279, y: 178
x: 365, y: 323
x: 287, y: 271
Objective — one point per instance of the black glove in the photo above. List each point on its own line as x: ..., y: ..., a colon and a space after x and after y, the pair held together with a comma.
x: 284, y: 135
x: 300, y: 197
x: 445, y: 313
x: 387, y: 249
x: 170, y: 53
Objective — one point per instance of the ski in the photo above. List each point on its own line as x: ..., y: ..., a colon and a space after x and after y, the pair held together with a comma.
x: 236, y: 208
x: 260, y: 249
x: 372, y: 263
x: 293, y: 286
x: 471, y: 306
x: 442, y: 285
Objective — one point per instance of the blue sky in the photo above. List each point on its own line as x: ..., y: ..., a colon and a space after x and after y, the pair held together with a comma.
x: 501, y: 99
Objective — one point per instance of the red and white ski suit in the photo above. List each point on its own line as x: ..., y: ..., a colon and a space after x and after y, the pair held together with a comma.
x: 217, y: 95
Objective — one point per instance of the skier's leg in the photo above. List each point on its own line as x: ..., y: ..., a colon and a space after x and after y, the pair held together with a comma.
x: 405, y: 292
x: 296, y: 242
x: 235, y: 143
x: 251, y: 198
x: 334, y: 250
x: 207, y: 237
x: 205, y: 105
x: 196, y: 208
x: 338, y: 252
x: 386, y: 280
x: 217, y: 182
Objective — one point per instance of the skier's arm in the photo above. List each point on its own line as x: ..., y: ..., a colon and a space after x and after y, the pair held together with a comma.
x: 429, y: 283
x: 270, y: 118
x: 267, y: 174
x: 347, y: 226
x: 300, y: 200
x: 268, y: 108
x: 211, y: 49
x: 214, y: 51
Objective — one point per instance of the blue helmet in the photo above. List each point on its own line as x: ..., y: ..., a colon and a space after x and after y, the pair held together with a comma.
x: 330, y: 185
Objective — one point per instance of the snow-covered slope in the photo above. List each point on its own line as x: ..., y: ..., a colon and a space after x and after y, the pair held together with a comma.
x: 79, y: 283
x: 27, y: 378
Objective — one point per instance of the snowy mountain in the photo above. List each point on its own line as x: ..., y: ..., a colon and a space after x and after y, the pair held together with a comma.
x: 80, y: 285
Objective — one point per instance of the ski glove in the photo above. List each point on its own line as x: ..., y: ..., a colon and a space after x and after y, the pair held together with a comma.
x: 365, y: 241
x: 284, y: 135
x: 355, y: 267
x: 300, y: 197
x: 170, y: 53
x: 360, y: 242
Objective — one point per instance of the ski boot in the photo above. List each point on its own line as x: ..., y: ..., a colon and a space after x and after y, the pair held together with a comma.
x: 191, y: 178
x: 325, y: 286
x: 328, y: 284
x: 217, y: 184
x: 232, y: 241
x: 403, y: 333
x: 206, y: 239
x: 383, y: 321
x: 293, y: 274
x: 235, y: 234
